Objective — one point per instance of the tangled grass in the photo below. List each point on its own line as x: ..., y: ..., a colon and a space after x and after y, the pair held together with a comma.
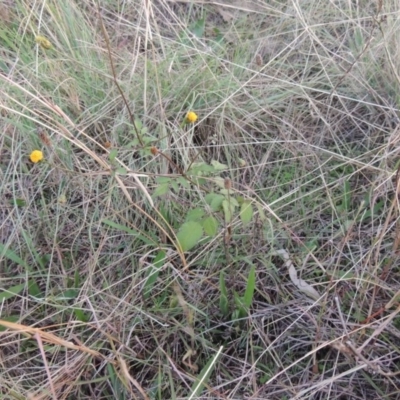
x: 252, y: 253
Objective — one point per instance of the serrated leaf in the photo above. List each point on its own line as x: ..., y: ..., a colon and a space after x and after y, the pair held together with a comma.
x: 246, y: 212
x: 184, y: 182
x: 138, y: 124
x: 216, y: 202
x: 161, y: 189
x: 233, y: 201
x: 194, y: 215
x: 219, y: 182
x: 174, y: 185
x: 201, y: 169
x: 189, y: 235
x: 209, y: 197
x: 218, y: 166
x: 210, y: 225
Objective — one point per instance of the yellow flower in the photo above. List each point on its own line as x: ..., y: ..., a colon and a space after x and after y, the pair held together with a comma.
x: 191, y: 117
x: 43, y: 42
x: 36, y: 156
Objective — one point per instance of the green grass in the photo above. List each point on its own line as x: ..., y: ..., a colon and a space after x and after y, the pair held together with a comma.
x: 146, y: 257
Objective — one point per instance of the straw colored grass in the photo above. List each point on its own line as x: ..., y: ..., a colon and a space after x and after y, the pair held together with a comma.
x: 110, y: 288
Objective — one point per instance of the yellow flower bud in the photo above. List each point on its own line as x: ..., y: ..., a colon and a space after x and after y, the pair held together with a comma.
x: 36, y: 156
x: 191, y: 117
x: 43, y: 42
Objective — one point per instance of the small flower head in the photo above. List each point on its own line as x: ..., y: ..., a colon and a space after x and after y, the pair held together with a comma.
x: 191, y: 117
x: 36, y: 156
x: 153, y: 150
x: 43, y: 42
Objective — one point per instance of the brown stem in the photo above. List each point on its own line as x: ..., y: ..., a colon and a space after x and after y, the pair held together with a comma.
x: 131, y: 116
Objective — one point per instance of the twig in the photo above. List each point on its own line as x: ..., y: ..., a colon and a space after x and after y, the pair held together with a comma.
x: 131, y: 116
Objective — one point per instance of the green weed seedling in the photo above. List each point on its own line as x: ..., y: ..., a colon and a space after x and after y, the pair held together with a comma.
x: 242, y: 303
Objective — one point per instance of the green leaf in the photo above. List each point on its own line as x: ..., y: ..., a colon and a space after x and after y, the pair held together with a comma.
x: 201, y: 168
x: 251, y: 285
x: 183, y: 182
x: 219, y: 181
x: 233, y: 201
x: 229, y: 209
x: 174, y: 185
x: 41, y: 260
x: 246, y: 212
x: 240, y: 312
x: 153, y: 273
x: 69, y: 294
x: 216, y: 202
x: 18, y: 202
x: 194, y: 215
x: 161, y: 189
x: 138, y: 124
x: 198, y: 27
x: 33, y: 288
x: 347, y: 196
x: 134, y: 232
x: 219, y: 37
x: 77, y: 278
x: 201, y: 381
x: 121, y: 171
x: 209, y: 197
x: 113, y: 154
x: 11, y: 292
x: 8, y: 253
x: 11, y: 318
x: 189, y: 235
x: 223, y: 299
x: 163, y: 179
x: 261, y: 212
x: 210, y: 226
x: 240, y: 199
x: 81, y: 315
x: 218, y: 166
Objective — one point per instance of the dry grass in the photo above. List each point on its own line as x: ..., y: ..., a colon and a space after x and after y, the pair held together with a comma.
x: 300, y: 100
